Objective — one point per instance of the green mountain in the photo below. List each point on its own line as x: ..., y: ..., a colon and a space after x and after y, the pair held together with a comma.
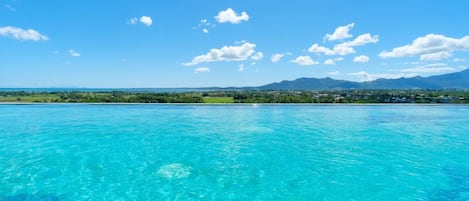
x: 458, y: 80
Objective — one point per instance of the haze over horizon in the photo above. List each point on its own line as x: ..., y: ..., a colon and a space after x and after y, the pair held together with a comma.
x: 148, y: 44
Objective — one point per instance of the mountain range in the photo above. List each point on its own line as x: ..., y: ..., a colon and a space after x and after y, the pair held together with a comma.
x: 457, y: 80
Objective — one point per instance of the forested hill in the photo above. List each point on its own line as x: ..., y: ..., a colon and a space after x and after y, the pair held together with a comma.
x: 458, y: 80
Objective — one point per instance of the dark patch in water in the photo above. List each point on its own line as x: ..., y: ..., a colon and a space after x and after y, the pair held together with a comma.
x: 29, y: 197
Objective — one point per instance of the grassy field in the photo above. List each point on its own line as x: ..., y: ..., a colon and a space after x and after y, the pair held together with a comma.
x: 30, y: 98
x: 218, y: 100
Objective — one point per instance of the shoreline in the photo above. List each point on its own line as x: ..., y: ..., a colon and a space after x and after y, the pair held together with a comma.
x: 245, y: 104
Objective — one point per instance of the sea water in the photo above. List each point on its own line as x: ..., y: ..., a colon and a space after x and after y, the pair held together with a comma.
x: 234, y: 152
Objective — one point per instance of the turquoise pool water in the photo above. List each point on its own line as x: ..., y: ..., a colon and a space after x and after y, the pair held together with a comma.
x: 191, y: 152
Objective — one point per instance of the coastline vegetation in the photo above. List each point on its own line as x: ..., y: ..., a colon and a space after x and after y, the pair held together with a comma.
x: 331, y: 96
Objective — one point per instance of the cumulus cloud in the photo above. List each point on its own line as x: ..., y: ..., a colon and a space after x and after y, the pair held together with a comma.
x: 73, y: 53
x: 258, y: 56
x: 338, y: 50
x: 339, y: 59
x: 146, y: 20
x: 21, y: 34
x: 361, y: 59
x: 341, y: 49
x: 429, y: 47
x: 315, y: 48
x: 304, y: 61
x: 201, y: 70
x: 226, y: 53
x: 361, y: 40
x: 340, y: 32
x: 276, y: 57
x: 346, y: 47
x: 205, y: 30
x: 229, y: 15
x: 329, y: 62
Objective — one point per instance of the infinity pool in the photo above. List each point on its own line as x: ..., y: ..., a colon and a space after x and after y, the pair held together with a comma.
x: 234, y: 152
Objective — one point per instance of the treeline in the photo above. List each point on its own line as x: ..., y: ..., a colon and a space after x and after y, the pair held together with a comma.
x: 345, y: 96
x: 102, y: 97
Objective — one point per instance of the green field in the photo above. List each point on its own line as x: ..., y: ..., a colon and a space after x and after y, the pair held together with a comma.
x: 43, y: 98
x: 218, y: 100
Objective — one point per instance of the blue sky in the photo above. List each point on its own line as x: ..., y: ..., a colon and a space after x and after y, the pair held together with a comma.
x: 226, y: 43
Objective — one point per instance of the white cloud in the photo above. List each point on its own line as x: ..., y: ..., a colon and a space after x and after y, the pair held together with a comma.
x: 204, y: 25
x: 258, y: 56
x: 431, y: 46
x: 276, y: 57
x: 133, y: 21
x: 370, y: 76
x: 339, y: 59
x: 341, y: 49
x: 304, y: 61
x: 205, y: 22
x: 435, y: 56
x: 333, y: 73
x: 431, y: 68
x: 459, y: 60
x: 361, y: 59
x: 201, y: 70
x: 361, y: 40
x: 146, y: 20
x: 229, y: 15
x: 73, y: 53
x: 346, y: 47
x: 315, y: 48
x: 329, y: 62
x: 226, y: 53
x: 21, y: 34
x: 340, y: 32
x: 338, y: 50
x: 436, y: 65
x: 423, y: 69
x: 241, y: 67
